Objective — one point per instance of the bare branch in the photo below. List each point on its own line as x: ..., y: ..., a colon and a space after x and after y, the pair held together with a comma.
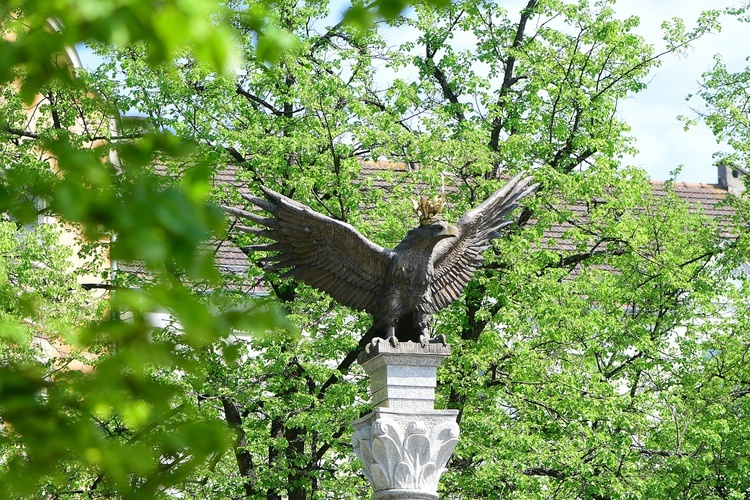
x: 544, y: 471
x: 508, y: 78
x: 251, y: 97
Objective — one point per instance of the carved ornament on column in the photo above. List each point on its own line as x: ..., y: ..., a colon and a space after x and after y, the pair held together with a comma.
x: 407, y: 455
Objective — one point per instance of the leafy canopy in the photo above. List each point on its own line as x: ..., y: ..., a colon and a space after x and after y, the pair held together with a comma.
x: 599, y: 354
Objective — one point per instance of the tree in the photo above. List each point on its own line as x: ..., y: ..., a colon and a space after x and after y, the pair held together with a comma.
x: 592, y: 356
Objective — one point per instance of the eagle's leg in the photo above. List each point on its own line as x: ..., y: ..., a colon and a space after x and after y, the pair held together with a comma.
x: 423, y: 323
x: 388, y: 329
x: 386, y: 318
x: 390, y: 334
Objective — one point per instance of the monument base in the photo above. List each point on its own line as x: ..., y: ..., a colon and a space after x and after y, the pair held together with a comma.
x: 405, y: 443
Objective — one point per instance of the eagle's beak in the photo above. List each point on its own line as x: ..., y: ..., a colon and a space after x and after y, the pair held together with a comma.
x: 449, y: 232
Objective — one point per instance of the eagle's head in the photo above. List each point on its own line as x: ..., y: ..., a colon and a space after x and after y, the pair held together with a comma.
x: 426, y: 236
x: 440, y: 230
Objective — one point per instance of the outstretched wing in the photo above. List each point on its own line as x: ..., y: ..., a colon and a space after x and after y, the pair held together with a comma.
x: 322, y: 252
x: 456, y: 259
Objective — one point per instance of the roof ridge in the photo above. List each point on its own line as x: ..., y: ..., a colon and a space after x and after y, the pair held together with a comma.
x: 688, y: 184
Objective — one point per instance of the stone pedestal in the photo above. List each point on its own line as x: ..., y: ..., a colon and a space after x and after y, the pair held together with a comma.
x: 404, y: 443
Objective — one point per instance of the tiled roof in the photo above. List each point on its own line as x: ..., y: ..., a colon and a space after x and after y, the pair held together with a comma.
x: 230, y: 258
x: 708, y: 197
x: 375, y: 169
x: 370, y: 167
x: 699, y: 196
x: 231, y: 175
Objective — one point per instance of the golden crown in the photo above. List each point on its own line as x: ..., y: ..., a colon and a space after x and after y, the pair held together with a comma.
x: 428, y: 210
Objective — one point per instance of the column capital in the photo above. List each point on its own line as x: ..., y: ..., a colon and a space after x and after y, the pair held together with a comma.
x: 405, y: 452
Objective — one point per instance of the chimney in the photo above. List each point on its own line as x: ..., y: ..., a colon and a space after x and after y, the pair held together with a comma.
x: 731, y: 177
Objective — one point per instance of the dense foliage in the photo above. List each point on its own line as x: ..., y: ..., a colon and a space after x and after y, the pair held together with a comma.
x: 599, y: 354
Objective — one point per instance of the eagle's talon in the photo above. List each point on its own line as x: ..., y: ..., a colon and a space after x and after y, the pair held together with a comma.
x: 373, y: 343
x: 424, y: 339
x: 393, y: 341
x: 439, y: 339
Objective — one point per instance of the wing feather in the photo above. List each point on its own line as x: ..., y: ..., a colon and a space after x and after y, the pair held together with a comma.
x: 323, y: 252
x: 456, y: 259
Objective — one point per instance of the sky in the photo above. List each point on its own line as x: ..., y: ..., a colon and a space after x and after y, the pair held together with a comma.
x: 652, y: 114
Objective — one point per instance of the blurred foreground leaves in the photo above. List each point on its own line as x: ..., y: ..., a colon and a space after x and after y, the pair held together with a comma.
x: 92, y: 388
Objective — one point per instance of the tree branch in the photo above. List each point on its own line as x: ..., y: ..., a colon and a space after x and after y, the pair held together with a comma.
x: 446, y: 88
x: 20, y: 132
x: 242, y: 455
x: 343, y: 367
x: 431, y: 48
x: 253, y: 98
x: 508, y: 79
x: 544, y: 471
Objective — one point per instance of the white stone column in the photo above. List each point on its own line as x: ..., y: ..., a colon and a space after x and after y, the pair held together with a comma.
x: 404, y: 443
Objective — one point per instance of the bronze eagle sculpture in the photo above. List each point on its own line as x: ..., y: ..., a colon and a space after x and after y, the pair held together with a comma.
x: 401, y: 287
